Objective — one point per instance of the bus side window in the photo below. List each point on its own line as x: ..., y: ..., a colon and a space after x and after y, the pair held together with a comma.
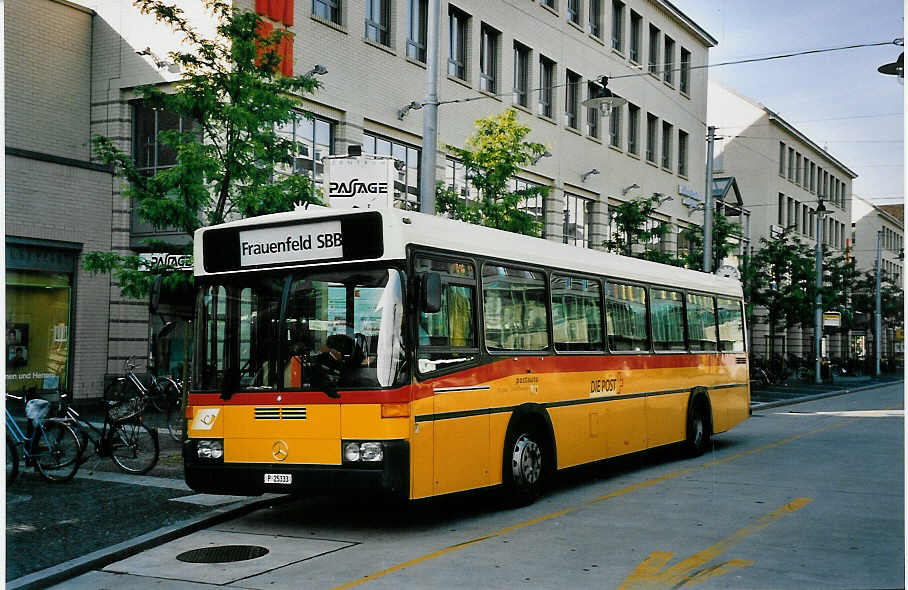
x: 448, y: 336
x: 667, y: 312
x: 625, y: 307
x: 514, y: 304
x: 576, y: 314
x: 701, y: 322
x: 731, y: 325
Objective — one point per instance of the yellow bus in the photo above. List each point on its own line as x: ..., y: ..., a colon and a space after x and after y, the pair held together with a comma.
x: 407, y: 355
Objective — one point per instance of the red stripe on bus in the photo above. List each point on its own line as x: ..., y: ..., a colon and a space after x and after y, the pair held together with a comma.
x: 499, y: 369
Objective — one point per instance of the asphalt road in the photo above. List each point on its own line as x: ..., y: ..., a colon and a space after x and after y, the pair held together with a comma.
x: 804, y: 496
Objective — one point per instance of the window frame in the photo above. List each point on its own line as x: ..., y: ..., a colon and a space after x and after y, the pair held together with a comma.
x: 617, y: 41
x: 418, y: 25
x: 522, y: 72
x: 332, y: 8
x: 684, y: 77
x: 489, y: 70
x: 634, y: 34
x: 458, y: 41
x: 378, y: 31
x: 599, y: 281
x: 572, y: 90
x: 547, y: 81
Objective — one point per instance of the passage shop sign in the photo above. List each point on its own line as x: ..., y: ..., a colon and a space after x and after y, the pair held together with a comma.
x: 364, y: 182
x: 292, y: 243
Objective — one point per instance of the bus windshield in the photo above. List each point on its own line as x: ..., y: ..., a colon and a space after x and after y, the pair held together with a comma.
x: 318, y: 331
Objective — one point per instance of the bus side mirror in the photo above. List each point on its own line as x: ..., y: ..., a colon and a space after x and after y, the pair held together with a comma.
x: 431, y: 293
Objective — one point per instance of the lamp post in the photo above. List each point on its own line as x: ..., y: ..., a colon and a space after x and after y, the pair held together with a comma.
x: 818, y: 312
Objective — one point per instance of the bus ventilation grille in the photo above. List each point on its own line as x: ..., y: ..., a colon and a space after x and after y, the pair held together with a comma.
x: 280, y: 413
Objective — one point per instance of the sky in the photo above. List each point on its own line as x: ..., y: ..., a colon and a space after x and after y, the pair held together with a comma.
x: 838, y: 99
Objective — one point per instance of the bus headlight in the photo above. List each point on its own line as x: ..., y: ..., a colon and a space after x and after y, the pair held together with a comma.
x: 210, y: 449
x: 363, y: 452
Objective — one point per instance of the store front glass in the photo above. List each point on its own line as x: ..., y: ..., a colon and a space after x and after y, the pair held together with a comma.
x: 38, y: 316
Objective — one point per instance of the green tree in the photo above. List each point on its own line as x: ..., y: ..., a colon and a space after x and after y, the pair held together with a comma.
x: 726, y: 236
x: 225, y: 168
x: 781, y: 278
x: 631, y: 218
x: 492, y: 157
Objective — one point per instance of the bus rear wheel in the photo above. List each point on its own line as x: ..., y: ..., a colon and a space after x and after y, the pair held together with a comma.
x: 698, y: 431
x: 524, y: 466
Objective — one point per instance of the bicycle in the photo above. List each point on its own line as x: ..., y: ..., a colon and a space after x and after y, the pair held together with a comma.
x: 129, y: 442
x: 164, y: 394
x: 52, y: 447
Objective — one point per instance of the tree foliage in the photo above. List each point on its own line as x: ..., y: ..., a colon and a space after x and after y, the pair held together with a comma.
x: 224, y: 168
x: 724, y: 242
x: 492, y: 157
x: 781, y: 278
x: 630, y: 228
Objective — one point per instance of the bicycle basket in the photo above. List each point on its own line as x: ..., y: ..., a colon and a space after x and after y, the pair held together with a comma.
x: 36, y: 410
x: 126, y: 409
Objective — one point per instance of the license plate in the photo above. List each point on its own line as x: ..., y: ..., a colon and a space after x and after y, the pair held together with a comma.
x: 281, y: 478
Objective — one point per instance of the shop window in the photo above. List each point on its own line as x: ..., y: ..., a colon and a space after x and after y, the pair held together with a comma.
x: 406, y: 186
x: 38, y: 317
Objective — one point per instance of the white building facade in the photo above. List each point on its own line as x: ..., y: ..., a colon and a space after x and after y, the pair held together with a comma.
x: 782, y: 175
x: 542, y: 57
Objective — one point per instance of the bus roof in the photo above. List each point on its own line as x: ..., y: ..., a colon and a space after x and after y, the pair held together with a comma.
x: 404, y: 228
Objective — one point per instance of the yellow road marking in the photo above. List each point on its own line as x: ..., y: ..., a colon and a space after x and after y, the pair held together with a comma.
x: 610, y: 495
x: 690, y: 571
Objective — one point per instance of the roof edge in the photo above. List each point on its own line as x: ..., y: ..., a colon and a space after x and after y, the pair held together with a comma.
x: 689, y: 22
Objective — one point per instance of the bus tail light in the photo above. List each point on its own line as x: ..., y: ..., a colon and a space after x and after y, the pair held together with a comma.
x: 395, y: 410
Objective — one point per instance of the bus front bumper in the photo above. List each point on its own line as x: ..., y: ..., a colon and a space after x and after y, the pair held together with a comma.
x: 389, y: 478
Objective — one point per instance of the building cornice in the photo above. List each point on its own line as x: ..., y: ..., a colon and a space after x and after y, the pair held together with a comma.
x: 775, y: 118
x: 687, y: 22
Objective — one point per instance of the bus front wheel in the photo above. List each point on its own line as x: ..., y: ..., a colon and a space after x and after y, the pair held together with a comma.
x: 524, y: 465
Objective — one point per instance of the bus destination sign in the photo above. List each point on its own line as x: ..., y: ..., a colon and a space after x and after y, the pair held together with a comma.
x: 291, y: 243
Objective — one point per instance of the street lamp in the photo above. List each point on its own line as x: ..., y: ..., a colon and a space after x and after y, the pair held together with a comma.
x: 604, y: 99
x: 818, y: 312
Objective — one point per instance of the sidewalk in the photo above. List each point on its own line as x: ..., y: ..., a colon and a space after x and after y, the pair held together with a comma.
x: 70, y: 527
x: 793, y: 391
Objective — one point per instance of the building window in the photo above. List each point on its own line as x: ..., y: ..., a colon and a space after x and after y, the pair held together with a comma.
x: 313, y: 139
x: 457, y: 43
x: 573, y: 11
x: 791, y: 162
x: 406, y: 186
x: 666, y: 145
x: 592, y: 113
x: 327, y: 9
x: 781, y: 216
x: 805, y: 220
x: 798, y: 168
x: 781, y: 158
x: 572, y: 100
x: 596, y: 18
x: 150, y: 155
x: 614, y: 127
x: 378, y: 21
x: 682, y: 153
x: 417, y: 29
x: 634, y: 48
x: 668, y: 72
x: 551, y: 4
x: 653, y: 50
x: 651, y: 130
x: 521, y: 74
x: 488, y: 59
x: 533, y: 205
x: 685, y: 71
x: 633, y: 126
x: 617, y: 25
x: 813, y: 177
x: 546, y: 83
x: 805, y: 177
x: 577, y: 215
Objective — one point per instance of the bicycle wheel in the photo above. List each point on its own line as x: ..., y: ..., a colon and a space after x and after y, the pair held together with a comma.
x: 58, y: 451
x: 134, y: 447
x: 176, y: 421
x: 12, y: 461
x: 168, y: 395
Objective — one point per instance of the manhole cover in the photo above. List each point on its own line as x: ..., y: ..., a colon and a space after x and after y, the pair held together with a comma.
x: 222, y: 554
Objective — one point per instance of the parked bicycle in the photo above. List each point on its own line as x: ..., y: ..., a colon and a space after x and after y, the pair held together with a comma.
x: 124, y: 437
x: 52, y: 446
x: 163, y: 393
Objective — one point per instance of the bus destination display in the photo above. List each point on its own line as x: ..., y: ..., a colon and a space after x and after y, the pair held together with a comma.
x: 293, y: 243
